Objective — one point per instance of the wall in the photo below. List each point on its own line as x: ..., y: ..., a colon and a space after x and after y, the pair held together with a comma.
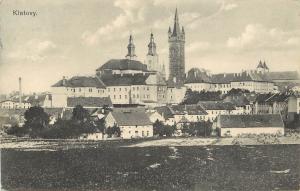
x: 265, y: 130
x: 128, y: 132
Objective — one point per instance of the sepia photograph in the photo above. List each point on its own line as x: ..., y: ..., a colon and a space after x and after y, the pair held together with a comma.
x: 149, y: 95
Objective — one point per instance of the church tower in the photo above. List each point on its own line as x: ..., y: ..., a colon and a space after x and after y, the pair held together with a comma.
x: 152, y: 57
x: 131, y: 49
x: 176, y: 53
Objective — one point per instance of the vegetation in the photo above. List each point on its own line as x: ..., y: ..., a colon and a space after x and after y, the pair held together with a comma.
x: 113, y: 131
x: 193, y: 97
x: 37, y: 125
x: 201, y: 128
x: 163, y: 130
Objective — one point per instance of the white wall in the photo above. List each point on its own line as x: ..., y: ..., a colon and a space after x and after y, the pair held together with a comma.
x: 128, y: 132
x: 263, y: 130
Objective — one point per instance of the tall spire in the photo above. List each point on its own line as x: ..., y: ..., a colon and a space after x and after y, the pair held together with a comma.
x: 151, y: 46
x: 176, y: 29
x: 131, y: 49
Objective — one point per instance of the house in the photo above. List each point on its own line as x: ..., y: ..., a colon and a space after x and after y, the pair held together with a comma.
x: 198, y: 80
x: 271, y: 104
x: 155, y: 116
x: 188, y: 114
x: 77, y: 86
x: 89, y: 102
x: 167, y: 113
x: 133, y: 122
x: 215, y: 108
x: 235, y: 125
x: 241, y: 103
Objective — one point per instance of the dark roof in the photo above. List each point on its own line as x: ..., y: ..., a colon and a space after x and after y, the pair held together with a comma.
x: 243, y: 121
x: 240, y: 77
x: 130, y: 116
x: 165, y: 111
x: 123, y: 64
x: 195, y: 75
x: 89, y: 101
x: 225, y: 78
x: 125, y: 79
x: 286, y: 75
x: 216, y: 105
x: 80, y: 81
x: 188, y: 109
x: 271, y: 98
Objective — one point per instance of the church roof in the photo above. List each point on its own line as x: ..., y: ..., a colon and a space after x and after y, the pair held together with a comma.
x: 123, y: 64
x: 131, y: 116
x: 80, y: 81
x: 124, y: 79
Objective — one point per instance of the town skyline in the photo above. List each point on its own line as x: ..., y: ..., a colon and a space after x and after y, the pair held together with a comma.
x: 64, y: 51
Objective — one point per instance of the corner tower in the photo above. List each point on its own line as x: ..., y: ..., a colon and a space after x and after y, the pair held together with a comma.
x: 176, y: 53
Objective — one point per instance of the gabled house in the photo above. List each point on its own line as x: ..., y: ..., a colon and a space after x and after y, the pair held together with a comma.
x: 133, y: 122
x: 215, y: 108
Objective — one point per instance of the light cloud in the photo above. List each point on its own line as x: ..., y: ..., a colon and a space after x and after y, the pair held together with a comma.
x: 198, y: 46
x: 258, y: 36
x: 33, y: 50
x: 229, y: 7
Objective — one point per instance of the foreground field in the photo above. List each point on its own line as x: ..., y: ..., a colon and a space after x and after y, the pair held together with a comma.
x: 261, y: 167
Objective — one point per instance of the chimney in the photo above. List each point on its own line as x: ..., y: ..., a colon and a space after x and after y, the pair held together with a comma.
x: 20, y: 92
x: 64, y: 81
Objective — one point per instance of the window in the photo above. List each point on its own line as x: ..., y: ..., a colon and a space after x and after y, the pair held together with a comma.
x: 147, y: 88
x: 133, y: 88
x: 108, y: 89
x: 143, y: 133
x: 125, y: 89
x: 98, y: 91
x: 79, y: 89
x: 137, y: 88
x: 120, y: 96
x: 114, y: 96
x: 125, y: 96
x: 133, y: 96
x: 120, y: 89
x: 147, y: 133
x: 137, y: 95
x: 114, y: 89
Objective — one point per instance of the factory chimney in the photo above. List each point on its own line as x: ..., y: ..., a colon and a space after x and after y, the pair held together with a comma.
x: 20, y: 92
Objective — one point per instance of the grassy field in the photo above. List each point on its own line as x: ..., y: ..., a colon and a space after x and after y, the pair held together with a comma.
x: 261, y: 167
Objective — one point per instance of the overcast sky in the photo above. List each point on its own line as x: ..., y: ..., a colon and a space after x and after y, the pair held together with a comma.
x: 74, y: 37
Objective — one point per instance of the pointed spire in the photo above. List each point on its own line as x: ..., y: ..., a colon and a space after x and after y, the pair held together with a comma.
x: 176, y: 29
x: 131, y: 49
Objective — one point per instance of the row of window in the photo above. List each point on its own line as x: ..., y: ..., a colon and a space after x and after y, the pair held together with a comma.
x: 79, y: 90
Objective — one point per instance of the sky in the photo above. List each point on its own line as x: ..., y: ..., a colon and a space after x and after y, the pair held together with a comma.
x: 75, y: 37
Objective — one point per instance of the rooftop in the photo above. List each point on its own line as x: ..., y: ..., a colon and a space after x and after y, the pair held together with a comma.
x: 123, y: 64
x: 96, y: 102
x: 80, y: 81
x: 216, y: 105
x: 243, y: 121
x: 131, y: 116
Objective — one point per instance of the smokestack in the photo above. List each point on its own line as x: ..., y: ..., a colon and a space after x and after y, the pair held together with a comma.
x: 20, y: 92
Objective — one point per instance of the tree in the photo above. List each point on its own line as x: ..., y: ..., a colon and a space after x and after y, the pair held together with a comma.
x: 193, y: 97
x: 163, y: 130
x: 36, y: 119
x: 114, y: 130
x: 201, y: 128
x: 80, y: 114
